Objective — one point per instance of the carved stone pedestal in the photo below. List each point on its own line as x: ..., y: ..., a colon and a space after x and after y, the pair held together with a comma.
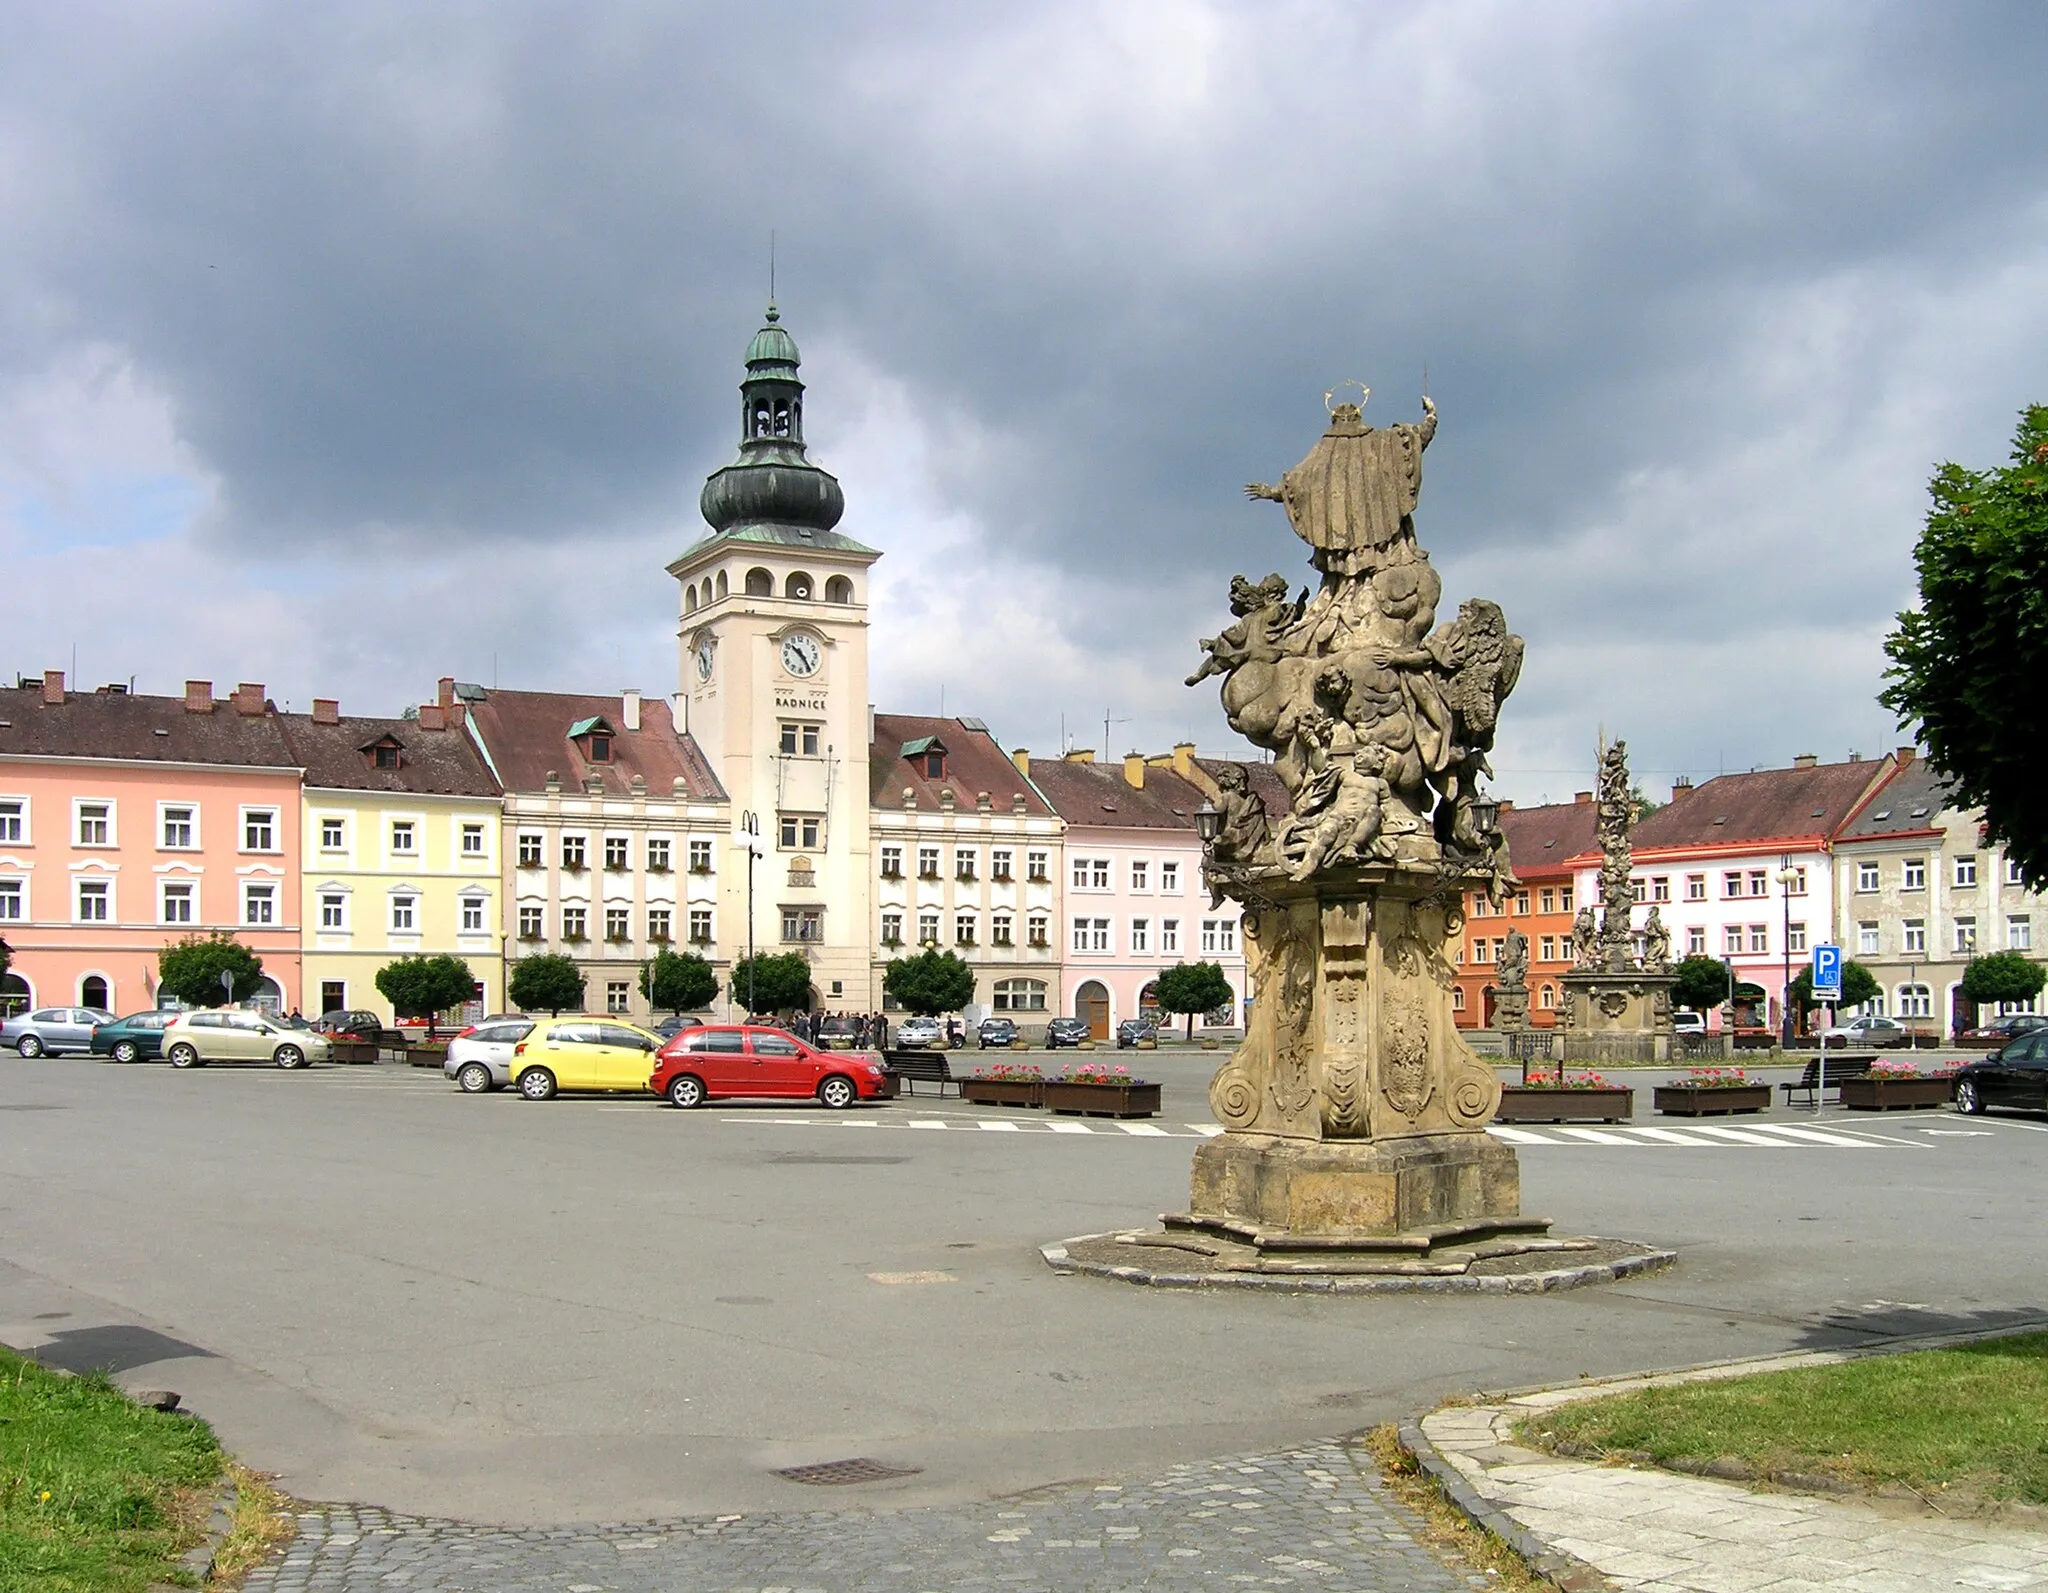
x: 1615, y: 1017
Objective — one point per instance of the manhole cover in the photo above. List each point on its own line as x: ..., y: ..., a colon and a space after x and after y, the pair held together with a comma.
x: 838, y: 1473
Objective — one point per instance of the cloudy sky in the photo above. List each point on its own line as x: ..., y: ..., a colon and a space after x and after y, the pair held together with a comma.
x: 344, y: 346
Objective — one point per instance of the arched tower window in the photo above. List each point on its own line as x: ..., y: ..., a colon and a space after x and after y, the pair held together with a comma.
x: 782, y: 420
x: 721, y: 583
x: 798, y: 586
x: 761, y: 421
x: 690, y: 598
x: 760, y: 583
x: 839, y: 590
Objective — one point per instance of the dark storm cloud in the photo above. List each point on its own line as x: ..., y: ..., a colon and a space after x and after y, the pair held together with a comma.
x: 1686, y: 280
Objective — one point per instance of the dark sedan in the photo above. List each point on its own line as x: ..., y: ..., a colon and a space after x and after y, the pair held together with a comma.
x: 997, y: 1032
x: 350, y: 1024
x: 1136, y: 1031
x: 2015, y: 1075
x: 139, y: 1037
x: 1065, y: 1031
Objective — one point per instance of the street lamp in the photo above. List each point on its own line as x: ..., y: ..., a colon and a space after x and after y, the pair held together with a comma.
x: 1208, y: 822
x: 1787, y: 874
x: 750, y: 831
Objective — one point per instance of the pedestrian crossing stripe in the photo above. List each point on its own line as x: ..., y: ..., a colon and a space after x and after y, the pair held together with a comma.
x: 1754, y: 1136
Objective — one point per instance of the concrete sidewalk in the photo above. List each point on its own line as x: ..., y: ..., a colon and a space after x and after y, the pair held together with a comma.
x: 1591, y: 1526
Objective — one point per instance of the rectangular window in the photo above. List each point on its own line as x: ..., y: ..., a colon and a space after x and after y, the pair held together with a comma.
x: 1039, y: 927
x: 1759, y: 939
x: 1038, y: 867
x: 618, y: 923
x: 1966, y: 934
x: 530, y: 845
x: 1481, y: 905
x: 472, y: 915
x: 1866, y: 938
x: 1482, y: 949
x: 1547, y: 900
x: 402, y: 835
x: 999, y: 930
x: 1091, y: 934
x: 332, y: 836
x: 95, y: 823
x: 700, y: 926
x: 1731, y: 884
x: 1564, y: 898
x: 1731, y: 940
x: 963, y: 862
x: 892, y: 862
x: 1141, y: 934
x: 333, y: 911
x: 1220, y: 935
x: 572, y: 851
x: 963, y: 929
x: 177, y: 908
x: 529, y: 923
x: 1796, y: 886
x: 1081, y: 865
x: 1695, y: 887
x: 1915, y: 935
x: 1866, y: 876
x: 1637, y: 889
x: 803, y: 923
x: 800, y: 740
x: 659, y: 850
x: 1169, y: 876
x: 618, y: 995
x: 1169, y: 936
x: 1141, y: 876
x: 575, y: 921
x: 94, y: 900
x: 1098, y: 874
x: 1913, y: 877
x: 472, y: 840
x: 999, y: 865
x: 892, y: 929
x: 1966, y: 872
x: 405, y: 914
x: 13, y: 819
x: 927, y: 929
x: 700, y: 857
x: 1521, y: 903
x: 618, y: 852
x: 1915, y: 1001
x: 259, y: 904
x: 177, y: 829
x: 2014, y: 875
x: 1795, y: 938
x: 259, y: 830
x: 2019, y: 933
x: 1546, y: 949
x: 927, y: 862
x: 10, y: 901
x: 1660, y: 888
x: 658, y: 921
x: 1759, y: 882
x: 1695, y: 942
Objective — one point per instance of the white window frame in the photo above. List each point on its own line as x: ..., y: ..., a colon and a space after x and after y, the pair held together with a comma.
x: 661, y: 854
x: 1868, y: 877
x: 1141, y: 874
x: 539, y: 849
x: 1169, y: 876
x: 928, y: 926
x: 535, y: 914
x: 14, y: 817
x: 618, y: 923
x: 467, y: 830
x: 184, y: 891
x: 709, y: 926
x: 1795, y: 937
x: 338, y: 902
x: 1141, y: 933
x: 1037, y: 868
x: 13, y: 899
x: 1965, y: 931
x: 928, y: 862
x: 407, y: 830
x: 701, y: 856
x: 111, y: 819
x: 340, y: 823
x: 404, y: 901
x: 621, y: 848
x: 1965, y: 873
x: 1913, y: 874
x: 245, y: 816
x: 1695, y: 888
x: 164, y: 843
x: 1869, y: 938
x: 1169, y: 937
x: 101, y: 889
x: 1914, y: 937
x: 2019, y: 932
x: 254, y: 891
x: 472, y: 905
x: 892, y: 926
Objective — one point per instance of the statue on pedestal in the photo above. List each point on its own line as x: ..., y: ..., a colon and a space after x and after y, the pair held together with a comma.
x: 1511, y: 988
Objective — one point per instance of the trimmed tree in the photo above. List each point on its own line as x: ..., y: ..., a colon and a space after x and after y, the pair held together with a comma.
x: 547, y: 980
x: 1192, y: 987
x: 1858, y: 986
x: 1702, y: 984
x: 930, y: 983
x: 771, y: 981
x: 1978, y: 643
x: 426, y: 987
x: 2001, y: 976
x: 191, y: 970
x: 678, y: 981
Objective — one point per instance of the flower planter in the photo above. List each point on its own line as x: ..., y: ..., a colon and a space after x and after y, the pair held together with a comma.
x: 1685, y: 1100
x: 1003, y: 1092
x: 1526, y: 1105
x: 1890, y: 1095
x: 1102, y: 1100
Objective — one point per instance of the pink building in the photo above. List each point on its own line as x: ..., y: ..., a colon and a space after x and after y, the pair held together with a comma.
x: 128, y: 822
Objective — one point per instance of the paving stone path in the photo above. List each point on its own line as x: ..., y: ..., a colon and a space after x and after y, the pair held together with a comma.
x: 1315, y: 1517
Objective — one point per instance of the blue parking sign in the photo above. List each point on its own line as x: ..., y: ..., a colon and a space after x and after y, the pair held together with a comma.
x: 1827, y: 973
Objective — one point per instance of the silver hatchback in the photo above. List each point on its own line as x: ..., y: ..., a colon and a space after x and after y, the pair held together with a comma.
x: 481, y: 1060
x: 53, y: 1030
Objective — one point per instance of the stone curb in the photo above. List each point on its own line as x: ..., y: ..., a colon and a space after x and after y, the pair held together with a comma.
x: 197, y: 1561
x: 1058, y: 1257
x: 1559, y: 1569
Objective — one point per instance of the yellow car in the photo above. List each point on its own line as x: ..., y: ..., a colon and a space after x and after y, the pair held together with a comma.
x: 583, y: 1054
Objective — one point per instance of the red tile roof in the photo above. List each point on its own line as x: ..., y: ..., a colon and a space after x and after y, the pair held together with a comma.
x: 974, y: 764
x: 1543, y: 840
x: 526, y: 737
x: 1097, y: 795
x: 1766, y: 808
x: 434, y: 762
x: 126, y: 725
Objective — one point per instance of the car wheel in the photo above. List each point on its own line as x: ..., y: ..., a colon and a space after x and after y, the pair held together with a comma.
x: 687, y: 1091
x: 1967, y: 1098
x: 184, y: 1056
x: 838, y: 1093
x: 126, y: 1051
x: 473, y: 1078
x: 537, y: 1084
x: 288, y: 1056
x: 29, y: 1046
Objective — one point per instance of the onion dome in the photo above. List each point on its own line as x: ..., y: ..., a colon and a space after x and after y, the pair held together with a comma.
x: 773, y: 482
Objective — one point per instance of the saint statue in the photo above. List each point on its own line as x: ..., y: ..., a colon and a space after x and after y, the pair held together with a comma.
x: 1353, y: 498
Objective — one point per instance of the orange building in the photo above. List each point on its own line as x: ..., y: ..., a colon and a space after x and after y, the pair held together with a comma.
x: 1543, y: 843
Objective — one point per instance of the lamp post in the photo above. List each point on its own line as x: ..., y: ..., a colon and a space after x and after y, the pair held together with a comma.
x: 1786, y: 875
x: 750, y: 832
x: 1912, y: 1000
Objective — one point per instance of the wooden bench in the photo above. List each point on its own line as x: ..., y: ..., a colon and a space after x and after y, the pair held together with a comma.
x: 929, y: 1066
x: 1849, y: 1065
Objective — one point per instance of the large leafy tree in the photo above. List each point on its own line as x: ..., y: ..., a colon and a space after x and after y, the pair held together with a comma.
x: 2002, y: 976
x: 426, y: 987
x: 1859, y: 985
x: 1702, y: 984
x: 191, y: 970
x: 771, y: 981
x: 930, y: 983
x: 548, y: 980
x: 1976, y: 649
x: 678, y: 981
x: 1193, y: 987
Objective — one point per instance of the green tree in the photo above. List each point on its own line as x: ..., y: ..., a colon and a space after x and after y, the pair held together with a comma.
x: 771, y: 981
x: 191, y: 970
x: 548, y: 980
x: 2001, y: 976
x: 930, y: 983
x: 1858, y: 986
x: 678, y: 981
x: 426, y: 987
x: 1702, y: 984
x: 1193, y: 987
x: 1978, y: 643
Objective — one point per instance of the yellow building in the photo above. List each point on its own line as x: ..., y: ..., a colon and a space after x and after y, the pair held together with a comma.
x: 403, y: 830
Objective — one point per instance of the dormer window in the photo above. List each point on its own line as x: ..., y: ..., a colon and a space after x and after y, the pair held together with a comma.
x: 599, y: 747
x: 386, y: 752
x: 927, y: 754
x: 593, y: 737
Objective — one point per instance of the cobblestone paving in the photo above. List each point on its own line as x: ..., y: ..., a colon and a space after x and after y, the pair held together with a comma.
x: 1311, y: 1518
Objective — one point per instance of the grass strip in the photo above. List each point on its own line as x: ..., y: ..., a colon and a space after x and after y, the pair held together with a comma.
x: 263, y: 1521
x: 1445, y: 1528
x: 97, y: 1494
x: 1970, y: 1422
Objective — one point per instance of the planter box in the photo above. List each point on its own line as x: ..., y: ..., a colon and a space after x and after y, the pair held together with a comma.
x: 1682, y: 1100
x: 427, y: 1053
x: 1889, y: 1095
x: 1524, y: 1105
x: 352, y: 1050
x: 1003, y: 1092
x: 1102, y: 1100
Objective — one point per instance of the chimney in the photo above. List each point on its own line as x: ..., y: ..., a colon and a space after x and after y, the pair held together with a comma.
x: 1021, y: 757
x: 433, y: 716
x: 1078, y: 755
x: 629, y: 712
x: 1681, y: 786
x: 1506, y: 806
x: 1582, y: 799
x: 1134, y: 770
x: 1805, y: 760
x: 1184, y: 759
x: 53, y: 687
x: 326, y: 711
x: 199, y: 696
x: 248, y: 699
x: 444, y: 693
x: 1907, y: 755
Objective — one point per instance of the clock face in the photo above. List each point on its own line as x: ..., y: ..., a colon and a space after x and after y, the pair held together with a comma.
x: 704, y: 655
x: 800, y: 654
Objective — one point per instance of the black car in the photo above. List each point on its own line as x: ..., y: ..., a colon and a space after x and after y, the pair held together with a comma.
x: 1133, y: 1030
x: 350, y: 1024
x: 997, y: 1031
x: 836, y: 1034
x: 2016, y: 1074
x: 674, y: 1024
x: 1065, y: 1031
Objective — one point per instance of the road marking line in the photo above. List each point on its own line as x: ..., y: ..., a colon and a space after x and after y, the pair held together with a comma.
x: 1740, y: 1136
x: 1799, y: 1134
x: 1070, y: 1128
x: 912, y: 1277
x: 1519, y: 1136
x: 1594, y: 1136
x: 996, y: 1126
x: 1207, y: 1130
x: 1144, y: 1130
x: 926, y: 1122
x: 1669, y: 1136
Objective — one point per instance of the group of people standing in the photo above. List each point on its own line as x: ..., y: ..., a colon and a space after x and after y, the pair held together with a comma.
x: 870, y: 1029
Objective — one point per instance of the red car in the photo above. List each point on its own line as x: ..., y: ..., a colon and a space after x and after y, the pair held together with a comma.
x: 718, y: 1060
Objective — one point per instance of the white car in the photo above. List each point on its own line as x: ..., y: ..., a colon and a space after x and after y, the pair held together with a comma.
x: 1688, y: 1023
x: 480, y: 1059
x: 915, y: 1033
